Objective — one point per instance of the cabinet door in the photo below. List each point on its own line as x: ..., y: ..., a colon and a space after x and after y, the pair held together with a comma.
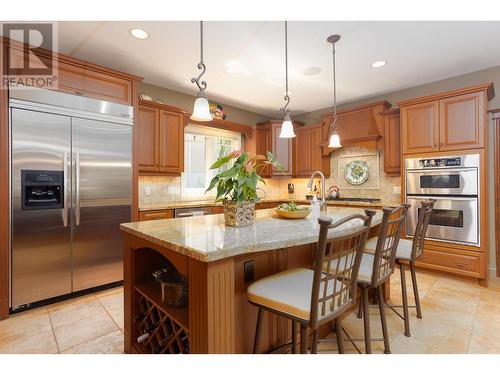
x: 148, y: 139
x: 420, y: 127
x: 262, y: 145
x: 171, y: 136
x: 462, y: 122
x: 392, y: 145
x: 316, y: 158
x: 302, y: 153
x: 282, y: 149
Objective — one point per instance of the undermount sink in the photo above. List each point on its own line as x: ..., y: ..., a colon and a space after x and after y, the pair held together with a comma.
x: 369, y: 200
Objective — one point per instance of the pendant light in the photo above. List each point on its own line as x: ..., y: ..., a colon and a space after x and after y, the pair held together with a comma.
x: 201, y: 109
x: 334, y: 137
x: 287, y: 126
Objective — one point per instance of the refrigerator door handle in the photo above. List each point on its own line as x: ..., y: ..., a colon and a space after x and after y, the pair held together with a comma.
x: 65, y: 192
x: 77, y: 182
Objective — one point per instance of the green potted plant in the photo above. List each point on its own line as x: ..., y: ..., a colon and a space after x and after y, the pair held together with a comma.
x: 237, y: 185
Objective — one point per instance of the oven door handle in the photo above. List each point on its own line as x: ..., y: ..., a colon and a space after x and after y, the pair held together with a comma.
x: 441, y: 198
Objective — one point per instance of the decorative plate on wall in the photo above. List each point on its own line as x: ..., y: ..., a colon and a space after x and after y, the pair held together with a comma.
x: 356, y: 172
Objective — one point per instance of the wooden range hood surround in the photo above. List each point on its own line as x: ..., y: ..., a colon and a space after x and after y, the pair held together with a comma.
x: 361, y: 126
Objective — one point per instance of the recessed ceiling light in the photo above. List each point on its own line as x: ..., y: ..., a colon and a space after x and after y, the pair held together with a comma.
x: 311, y: 70
x: 378, y: 64
x: 230, y: 70
x: 139, y: 33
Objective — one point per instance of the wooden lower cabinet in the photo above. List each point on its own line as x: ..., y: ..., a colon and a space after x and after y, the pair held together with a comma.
x: 461, y: 262
x: 156, y: 215
x: 217, y: 209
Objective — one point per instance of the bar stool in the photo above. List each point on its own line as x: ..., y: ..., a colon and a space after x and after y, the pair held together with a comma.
x: 408, y: 251
x: 311, y: 298
x: 376, y: 268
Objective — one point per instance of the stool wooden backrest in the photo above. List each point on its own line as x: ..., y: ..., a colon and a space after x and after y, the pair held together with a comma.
x: 336, y: 267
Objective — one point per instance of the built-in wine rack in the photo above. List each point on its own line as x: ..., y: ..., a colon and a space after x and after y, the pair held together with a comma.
x: 159, y: 329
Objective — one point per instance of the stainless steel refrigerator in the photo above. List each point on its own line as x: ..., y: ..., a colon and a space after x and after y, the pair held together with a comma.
x: 70, y: 190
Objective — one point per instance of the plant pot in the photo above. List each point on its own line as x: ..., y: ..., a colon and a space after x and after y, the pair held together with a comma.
x: 239, y: 214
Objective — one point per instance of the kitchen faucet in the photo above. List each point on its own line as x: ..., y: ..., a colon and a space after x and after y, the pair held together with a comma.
x: 323, y: 189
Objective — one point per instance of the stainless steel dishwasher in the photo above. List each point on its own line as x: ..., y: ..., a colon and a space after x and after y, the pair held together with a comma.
x: 192, y: 211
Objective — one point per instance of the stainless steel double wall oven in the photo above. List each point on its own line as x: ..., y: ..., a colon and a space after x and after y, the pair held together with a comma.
x: 453, y: 181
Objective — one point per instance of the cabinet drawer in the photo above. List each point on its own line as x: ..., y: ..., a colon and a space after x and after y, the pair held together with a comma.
x: 456, y: 263
x: 217, y: 209
x: 155, y: 215
x: 79, y: 81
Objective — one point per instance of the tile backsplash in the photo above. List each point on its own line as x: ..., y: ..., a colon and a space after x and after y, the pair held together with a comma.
x: 164, y: 189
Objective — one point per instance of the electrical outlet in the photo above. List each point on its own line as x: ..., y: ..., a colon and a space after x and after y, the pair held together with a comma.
x: 396, y: 190
x: 147, y: 190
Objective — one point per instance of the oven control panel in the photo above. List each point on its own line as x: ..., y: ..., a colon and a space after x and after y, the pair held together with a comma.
x: 441, y: 162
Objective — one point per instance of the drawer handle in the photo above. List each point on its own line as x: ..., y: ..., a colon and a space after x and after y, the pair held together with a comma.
x: 461, y: 265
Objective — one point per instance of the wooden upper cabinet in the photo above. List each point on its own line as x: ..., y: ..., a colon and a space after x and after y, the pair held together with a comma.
x: 462, y: 122
x: 420, y: 127
x: 171, y: 135
x: 148, y: 139
x: 302, y: 152
x: 392, y: 143
x: 308, y: 153
x: 451, y: 121
x: 161, y: 139
x: 85, y: 82
x: 263, y: 143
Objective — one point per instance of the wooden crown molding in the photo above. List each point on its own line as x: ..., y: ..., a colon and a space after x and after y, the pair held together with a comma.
x: 73, y: 61
x: 246, y: 130
x: 386, y: 105
x: 495, y: 113
x: 167, y: 107
x: 391, y: 111
x: 488, y: 87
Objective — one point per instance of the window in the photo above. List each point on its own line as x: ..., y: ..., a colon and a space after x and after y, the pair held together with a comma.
x: 202, y: 147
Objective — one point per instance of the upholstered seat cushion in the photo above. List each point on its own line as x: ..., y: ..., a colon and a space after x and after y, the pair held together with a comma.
x: 288, y: 292
x: 366, y: 269
x: 403, y: 252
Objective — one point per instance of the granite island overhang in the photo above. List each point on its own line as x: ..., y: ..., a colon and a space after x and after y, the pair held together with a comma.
x: 219, y: 263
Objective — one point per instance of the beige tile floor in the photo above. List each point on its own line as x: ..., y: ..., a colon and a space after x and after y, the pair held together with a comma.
x: 458, y: 317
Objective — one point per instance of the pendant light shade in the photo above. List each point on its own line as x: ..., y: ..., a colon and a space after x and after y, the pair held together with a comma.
x: 287, y: 126
x: 334, y: 140
x: 201, y: 109
x: 334, y: 137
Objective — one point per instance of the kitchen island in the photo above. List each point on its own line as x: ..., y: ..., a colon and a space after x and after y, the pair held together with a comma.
x: 219, y: 263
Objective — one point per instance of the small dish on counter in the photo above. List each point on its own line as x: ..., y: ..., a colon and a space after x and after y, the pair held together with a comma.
x: 293, y: 211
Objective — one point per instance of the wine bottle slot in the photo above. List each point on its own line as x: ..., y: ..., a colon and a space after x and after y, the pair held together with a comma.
x: 147, y: 332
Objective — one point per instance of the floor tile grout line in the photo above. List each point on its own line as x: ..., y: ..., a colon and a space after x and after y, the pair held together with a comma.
x: 54, y: 333
x: 473, y: 323
x: 107, y: 312
x: 92, y: 339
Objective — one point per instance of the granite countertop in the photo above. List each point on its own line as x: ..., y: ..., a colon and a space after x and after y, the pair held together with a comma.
x: 207, y: 239
x: 209, y: 203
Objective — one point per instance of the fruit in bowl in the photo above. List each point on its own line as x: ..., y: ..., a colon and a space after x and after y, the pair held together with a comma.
x: 293, y: 211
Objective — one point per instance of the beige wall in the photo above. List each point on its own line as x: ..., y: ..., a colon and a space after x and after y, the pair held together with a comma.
x: 481, y: 76
x: 178, y: 99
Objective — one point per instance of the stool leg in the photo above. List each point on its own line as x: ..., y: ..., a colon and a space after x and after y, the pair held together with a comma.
x: 366, y: 320
x: 415, y: 289
x: 405, y: 300
x: 381, y: 307
x: 257, y: 330
x: 340, y: 335
x: 360, y: 315
x: 303, y: 338
x: 294, y: 337
x: 314, y: 348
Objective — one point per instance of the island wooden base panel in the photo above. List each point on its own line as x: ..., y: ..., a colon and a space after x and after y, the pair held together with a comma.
x: 219, y: 318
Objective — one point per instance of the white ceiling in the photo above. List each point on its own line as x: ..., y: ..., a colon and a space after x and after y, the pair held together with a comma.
x: 417, y: 53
